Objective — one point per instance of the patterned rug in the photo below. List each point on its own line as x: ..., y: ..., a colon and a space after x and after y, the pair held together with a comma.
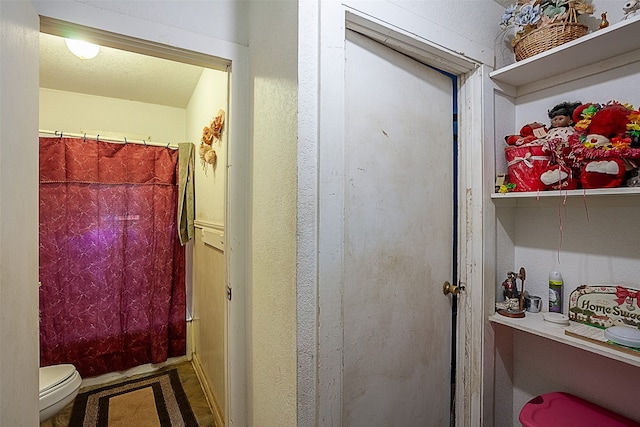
x: 154, y: 401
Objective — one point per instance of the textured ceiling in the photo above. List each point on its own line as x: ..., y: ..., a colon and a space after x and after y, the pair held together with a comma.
x: 116, y: 74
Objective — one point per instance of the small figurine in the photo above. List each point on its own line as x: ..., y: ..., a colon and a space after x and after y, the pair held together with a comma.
x: 510, y: 287
x: 603, y: 22
x: 513, y: 304
x: 631, y: 9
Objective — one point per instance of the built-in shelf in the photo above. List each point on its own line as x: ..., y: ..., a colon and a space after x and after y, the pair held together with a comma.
x: 619, y: 191
x: 594, y: 49
x: 535, y: 324
x: 619, y: 197
x: 593, y: 60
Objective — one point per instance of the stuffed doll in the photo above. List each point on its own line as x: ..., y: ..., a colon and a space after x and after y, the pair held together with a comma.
x: 561, y: 117
x: 562, y: 172
x: 528, y: 133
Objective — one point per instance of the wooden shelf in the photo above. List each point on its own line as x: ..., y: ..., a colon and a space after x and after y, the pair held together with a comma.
x: 589, y: 54
x: 534, y: 323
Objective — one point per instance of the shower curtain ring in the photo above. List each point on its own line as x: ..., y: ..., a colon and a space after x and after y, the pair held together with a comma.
x: 98, y: 138
x: 125, y: 140
x: 85, y: 137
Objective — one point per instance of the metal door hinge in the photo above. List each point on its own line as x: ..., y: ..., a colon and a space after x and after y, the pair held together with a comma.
x: 228, y: 292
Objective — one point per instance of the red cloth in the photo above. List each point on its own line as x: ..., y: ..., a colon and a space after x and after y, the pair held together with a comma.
x: 525, y: 164
x: 111, y: 266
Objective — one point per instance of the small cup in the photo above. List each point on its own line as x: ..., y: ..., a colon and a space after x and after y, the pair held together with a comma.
x: 535, y: 304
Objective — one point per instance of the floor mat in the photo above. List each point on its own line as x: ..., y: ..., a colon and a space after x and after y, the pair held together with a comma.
x: 153, y: 401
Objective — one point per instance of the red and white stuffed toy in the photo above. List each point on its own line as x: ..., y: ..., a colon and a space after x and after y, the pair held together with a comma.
x: 607, y: 173
x: 603, y: 143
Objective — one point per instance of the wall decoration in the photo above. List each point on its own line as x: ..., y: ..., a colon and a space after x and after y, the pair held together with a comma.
x: 210, y: 135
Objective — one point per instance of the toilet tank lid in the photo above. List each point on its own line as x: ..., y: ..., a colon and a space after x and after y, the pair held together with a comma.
x: 51, y: 376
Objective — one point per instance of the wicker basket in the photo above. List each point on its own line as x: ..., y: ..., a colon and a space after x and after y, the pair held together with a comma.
x: 546, y: 38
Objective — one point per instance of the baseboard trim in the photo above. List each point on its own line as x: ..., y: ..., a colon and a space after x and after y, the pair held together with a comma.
x: 136, y: 370
x: 208, y: 393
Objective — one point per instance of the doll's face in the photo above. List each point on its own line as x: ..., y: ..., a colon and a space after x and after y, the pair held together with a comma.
x: 560, y: 121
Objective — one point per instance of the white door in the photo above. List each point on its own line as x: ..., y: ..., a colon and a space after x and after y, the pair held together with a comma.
x: 398, y: 239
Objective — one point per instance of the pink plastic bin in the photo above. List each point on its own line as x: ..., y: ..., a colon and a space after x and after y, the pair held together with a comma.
x: 560, y: 409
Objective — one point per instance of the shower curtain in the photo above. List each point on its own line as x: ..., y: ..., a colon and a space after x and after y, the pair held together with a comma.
x: 112, y: 270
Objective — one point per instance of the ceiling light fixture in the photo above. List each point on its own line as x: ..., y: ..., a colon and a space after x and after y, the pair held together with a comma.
x: 82, y: 49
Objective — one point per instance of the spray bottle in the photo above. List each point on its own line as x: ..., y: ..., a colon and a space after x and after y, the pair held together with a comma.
x: 555, y: 292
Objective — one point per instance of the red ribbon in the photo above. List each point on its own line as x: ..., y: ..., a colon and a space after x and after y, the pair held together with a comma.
x: 623, y: 293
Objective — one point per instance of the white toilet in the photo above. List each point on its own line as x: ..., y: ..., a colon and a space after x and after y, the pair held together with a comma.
x: 59, y: 385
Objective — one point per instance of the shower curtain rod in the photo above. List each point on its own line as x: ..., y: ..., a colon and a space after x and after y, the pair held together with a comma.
x: 60, y: 134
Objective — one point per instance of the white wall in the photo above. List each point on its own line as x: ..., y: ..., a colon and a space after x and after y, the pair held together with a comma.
x: 19, y: 355
x: 273, y: 42
x: 475, y: 21
x: 110, y: 117
x: 219, y: 19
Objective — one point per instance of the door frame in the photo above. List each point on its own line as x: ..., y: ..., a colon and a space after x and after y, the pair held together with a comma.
x: 321, y: 206
x: 149, y: 38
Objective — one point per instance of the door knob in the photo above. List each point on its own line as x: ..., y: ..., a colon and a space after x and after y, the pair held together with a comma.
x: 448, y: 288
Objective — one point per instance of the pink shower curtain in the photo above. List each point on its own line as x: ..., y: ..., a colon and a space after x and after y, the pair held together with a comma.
x: 112, y: 292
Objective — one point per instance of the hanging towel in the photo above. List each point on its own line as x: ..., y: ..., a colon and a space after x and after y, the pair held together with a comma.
x: 186, y: 205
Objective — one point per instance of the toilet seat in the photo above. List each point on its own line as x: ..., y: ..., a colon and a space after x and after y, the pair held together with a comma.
x: 51, y: 376
x: 59, y: 385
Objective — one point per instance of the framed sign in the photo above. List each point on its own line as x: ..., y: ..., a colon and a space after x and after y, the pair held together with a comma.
x: 594, y: 309
x: 604, y: 306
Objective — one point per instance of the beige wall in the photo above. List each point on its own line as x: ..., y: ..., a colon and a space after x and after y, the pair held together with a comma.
x: 209, y: 272
x: 110, y: 117
x: 272, y: 363
x: 210, y: 95
x: 209, y: 317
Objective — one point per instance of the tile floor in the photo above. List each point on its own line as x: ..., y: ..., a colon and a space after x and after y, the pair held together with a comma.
x: 190, y: 384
